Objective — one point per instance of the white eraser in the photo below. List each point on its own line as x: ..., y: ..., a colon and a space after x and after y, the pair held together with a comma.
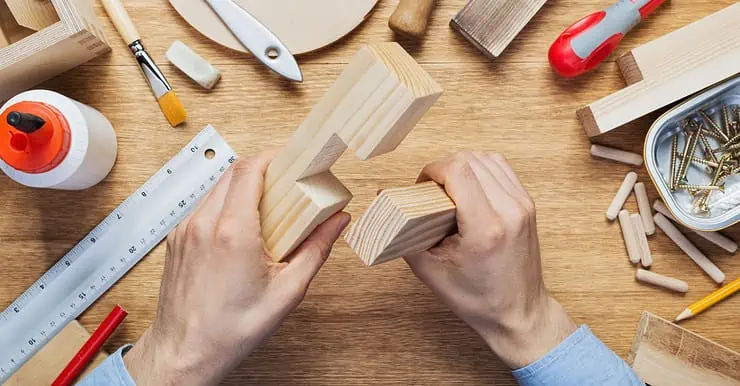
x: 193, y: 65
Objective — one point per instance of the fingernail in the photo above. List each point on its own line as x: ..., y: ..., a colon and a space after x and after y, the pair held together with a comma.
x: 344, y: 221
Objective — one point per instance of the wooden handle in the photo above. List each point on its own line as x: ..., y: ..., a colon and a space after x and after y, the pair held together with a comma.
x: 121, y: 20
x: 411, y: 16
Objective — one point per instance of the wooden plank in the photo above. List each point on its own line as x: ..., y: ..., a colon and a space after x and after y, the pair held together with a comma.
x: 374, y: 104
x: 664, y: 354
x: 403, y: 221
x: 669, y: 69
x: 33, y: 14
x: 46, y: 365
x: 491, y: 25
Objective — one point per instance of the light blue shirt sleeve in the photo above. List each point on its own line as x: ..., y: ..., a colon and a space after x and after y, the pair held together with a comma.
x: 582, y: 360
x: 111, y: 372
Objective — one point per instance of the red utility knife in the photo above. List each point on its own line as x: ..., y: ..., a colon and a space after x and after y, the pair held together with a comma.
x: 586, y: 43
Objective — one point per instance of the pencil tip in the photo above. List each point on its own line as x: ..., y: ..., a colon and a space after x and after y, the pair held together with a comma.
x: 684, y: 315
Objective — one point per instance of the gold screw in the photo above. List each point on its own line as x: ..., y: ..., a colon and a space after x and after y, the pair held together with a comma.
x: 714, y: 126
x: 726, y: 120
x: 688, y: 153
x: 701, y: 187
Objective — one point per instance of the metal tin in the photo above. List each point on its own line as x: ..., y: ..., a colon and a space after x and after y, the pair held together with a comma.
x: 658, y: 155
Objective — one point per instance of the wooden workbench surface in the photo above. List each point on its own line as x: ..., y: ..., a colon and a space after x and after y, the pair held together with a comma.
x: 381, y: 325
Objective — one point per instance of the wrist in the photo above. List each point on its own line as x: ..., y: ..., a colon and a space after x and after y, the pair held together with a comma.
x: 152, y: 361
x: 526, y: 338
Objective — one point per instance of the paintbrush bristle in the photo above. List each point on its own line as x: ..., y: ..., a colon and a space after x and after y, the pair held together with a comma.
x: 172, y: 108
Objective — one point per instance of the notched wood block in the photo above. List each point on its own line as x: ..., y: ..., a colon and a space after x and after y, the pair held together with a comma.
x: 664, y: 354
x: 403, y: 221
x: 376, y: 101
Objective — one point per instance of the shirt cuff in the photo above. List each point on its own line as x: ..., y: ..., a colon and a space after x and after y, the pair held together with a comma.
x: 111, y: 372
x: 581, y: 359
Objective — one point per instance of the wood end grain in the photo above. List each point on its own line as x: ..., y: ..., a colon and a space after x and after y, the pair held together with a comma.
x: 630, y: 69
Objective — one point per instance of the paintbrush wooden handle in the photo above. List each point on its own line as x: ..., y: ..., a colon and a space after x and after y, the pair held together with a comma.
x: 121, y: 20
x: 411, y: 17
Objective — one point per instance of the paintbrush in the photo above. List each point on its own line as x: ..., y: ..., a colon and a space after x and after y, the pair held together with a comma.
x: 168, y: 102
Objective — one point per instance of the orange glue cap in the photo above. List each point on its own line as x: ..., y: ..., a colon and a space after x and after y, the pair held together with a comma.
x: 34, y: 137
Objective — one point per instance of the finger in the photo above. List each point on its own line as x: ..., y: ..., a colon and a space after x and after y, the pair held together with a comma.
x: 310, y: 256
x: 461, y: 184
x: 499, y: 180
x: 501, y: 161
x: 241, y: 207
x: 210, y: 207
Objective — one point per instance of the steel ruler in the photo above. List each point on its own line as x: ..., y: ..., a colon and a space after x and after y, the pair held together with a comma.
x: 111, y: 249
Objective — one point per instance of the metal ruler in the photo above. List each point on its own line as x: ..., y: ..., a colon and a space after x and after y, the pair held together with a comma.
x: 111, y: 249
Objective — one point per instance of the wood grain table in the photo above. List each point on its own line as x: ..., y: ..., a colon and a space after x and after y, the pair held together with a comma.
x: 381, y: 325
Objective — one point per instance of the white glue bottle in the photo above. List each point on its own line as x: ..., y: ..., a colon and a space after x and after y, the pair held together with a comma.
x: 50, y: 141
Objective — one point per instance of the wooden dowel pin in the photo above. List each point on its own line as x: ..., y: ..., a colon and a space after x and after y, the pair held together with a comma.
x: 621, y: 197
x: 628, y: 233
x: 646, y: 213
x: 692, y: 251
x: 645, y: 276
x: 411, y: 17
x: 646, y: 258
x: 613, y: 154
x: 716, y: 238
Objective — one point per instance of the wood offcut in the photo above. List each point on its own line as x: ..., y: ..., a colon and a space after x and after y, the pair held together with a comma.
x: 669, y: 69
x: 664, y: 354
x: 372, y: 106
x: 403, y: 221
x: 491, y: 25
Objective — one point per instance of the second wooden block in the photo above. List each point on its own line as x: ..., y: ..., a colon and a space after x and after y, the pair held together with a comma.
x: 401, y: 222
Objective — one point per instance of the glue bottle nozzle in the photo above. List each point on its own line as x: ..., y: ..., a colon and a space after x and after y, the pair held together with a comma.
x: 25, y: 122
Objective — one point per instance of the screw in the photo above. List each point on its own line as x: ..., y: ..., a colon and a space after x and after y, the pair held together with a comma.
x: 713, y: 125
x: 726, y: 120
x: 697, y: 188
x: 708, y: 148
x: 688, y: 153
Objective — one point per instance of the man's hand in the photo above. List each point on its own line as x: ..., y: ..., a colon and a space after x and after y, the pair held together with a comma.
x: 490, y: 273
x: 221, y: 293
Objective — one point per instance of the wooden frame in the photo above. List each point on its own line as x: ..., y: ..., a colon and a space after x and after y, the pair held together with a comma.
x: 403, y: 221
x: 491, y: 25
x: 669, y: 69
x: 30, y: 58
x: 664, y: 354
x: 371, y: 107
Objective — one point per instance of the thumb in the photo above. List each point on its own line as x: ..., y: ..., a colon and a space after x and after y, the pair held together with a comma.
x: 310, y: 256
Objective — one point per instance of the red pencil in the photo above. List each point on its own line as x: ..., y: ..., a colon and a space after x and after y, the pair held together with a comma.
x: 91, y: 347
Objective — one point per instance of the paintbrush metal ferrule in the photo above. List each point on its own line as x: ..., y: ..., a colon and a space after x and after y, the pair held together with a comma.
x: 158, y: 83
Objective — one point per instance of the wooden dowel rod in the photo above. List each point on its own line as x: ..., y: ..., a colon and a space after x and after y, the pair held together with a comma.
x: 613, y: 154
x: 646, y: 212
x: 692, y: 251
x: 646, y: 258
x: 645, y: 276
x: 628, y: 233
x: 621, y: 196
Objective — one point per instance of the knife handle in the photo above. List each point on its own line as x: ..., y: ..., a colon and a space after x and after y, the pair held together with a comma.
x: 411, y: 16
x: 121, y: 20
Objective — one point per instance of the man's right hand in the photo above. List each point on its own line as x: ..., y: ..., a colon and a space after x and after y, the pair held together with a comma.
x: 490, y: 273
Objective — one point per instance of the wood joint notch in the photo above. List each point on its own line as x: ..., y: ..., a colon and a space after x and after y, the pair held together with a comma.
x: 403, y: 221
x: 376, y: 101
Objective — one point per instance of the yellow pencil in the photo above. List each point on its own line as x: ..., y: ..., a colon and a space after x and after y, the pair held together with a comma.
x: 714, y: 298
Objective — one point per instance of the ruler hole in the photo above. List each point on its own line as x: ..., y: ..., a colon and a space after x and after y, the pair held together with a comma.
x: 210, y: 154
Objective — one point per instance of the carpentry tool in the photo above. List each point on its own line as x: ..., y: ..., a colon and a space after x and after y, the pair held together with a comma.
x: 587, y: 42
x: 91, y: 347
x: 712, y: 299
x: 111, y: 249
x: 50, y: 141
x: 410, y: 17
x: 304, y: 26
x: 168, y: 101
x: 258, y: 39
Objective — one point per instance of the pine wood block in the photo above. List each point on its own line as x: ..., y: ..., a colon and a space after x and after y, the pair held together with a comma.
x: 491, y: 25
x: 372, y: 106
x: 403, y: 221
x: 669, y: 69
x: 664, y: 354
x: 45, y: 366
x: 33, y: 14
x: 28, y: 59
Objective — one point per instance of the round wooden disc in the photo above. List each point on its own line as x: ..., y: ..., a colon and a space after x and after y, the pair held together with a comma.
x: 303, y: 25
